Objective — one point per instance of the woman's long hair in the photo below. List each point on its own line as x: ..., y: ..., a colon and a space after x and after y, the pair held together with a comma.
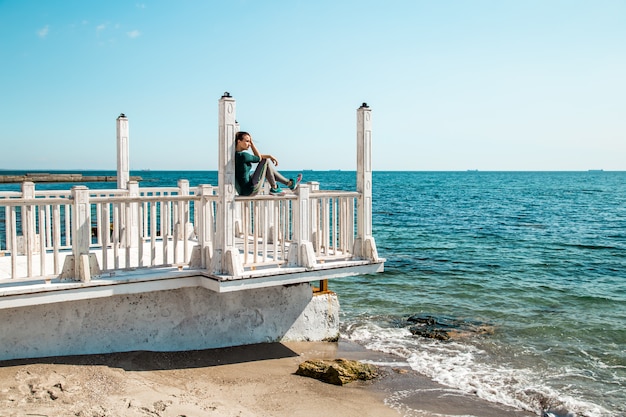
x: 239, y: 136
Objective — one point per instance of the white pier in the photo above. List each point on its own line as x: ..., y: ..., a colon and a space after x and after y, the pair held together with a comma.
x: 177, y: 268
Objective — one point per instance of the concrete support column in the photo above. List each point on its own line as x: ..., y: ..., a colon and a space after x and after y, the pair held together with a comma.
x: 302, y: 252
x: 123, y: 170
x: 132, y: 217
x: 226, y: 259
x: 183, y: 186
x: 29, y: 233
x: 28, y: 189
x: 364, y: 245
x: 202, y: 253
x: 81, y: 265
x: 182, y: 214
x: 314, y: 212
x: 81, y: 220
x: 183, y: 229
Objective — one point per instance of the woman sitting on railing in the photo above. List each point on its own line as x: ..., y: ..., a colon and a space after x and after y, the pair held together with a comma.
x: 249, y: 185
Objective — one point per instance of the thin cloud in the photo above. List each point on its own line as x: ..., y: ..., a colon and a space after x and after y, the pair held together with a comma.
x: 133, y: 34
x: 141, y: 5
x: 101, y: 27
x: 43, y: 32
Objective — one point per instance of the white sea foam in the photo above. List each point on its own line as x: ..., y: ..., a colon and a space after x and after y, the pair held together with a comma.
x: 471, y: 370
x: 388, y: 364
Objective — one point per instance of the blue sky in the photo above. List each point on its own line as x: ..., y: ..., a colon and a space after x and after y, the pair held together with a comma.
x: 453, y: 85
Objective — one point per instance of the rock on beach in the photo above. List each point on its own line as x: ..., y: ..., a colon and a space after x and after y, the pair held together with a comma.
x: 338, y: 371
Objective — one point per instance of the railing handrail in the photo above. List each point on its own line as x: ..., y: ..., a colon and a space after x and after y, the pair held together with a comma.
x: 316, y: 194
x: 93, y: 192
x: 335, y: 193
x: 144, y: 198
x: 10, y: 194
x: 152, y: 198
x: 265, y: 197
x: 164, y: 189
x: 34, y: 201
x: 61, y: 193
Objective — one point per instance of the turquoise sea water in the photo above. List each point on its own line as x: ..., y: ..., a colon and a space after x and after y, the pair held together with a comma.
x: 537, y: 257
x: 540, y: 256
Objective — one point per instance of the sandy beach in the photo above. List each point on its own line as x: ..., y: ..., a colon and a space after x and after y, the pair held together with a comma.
x: 246, y: 381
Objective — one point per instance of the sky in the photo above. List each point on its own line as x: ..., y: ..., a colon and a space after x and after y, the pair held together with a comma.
x: 493, y: 85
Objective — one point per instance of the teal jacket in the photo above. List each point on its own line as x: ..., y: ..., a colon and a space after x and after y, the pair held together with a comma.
x: 243, y: 165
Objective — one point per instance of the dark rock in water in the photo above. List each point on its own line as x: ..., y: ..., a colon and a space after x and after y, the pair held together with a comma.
x: 439, y: 321
x: 423, y: 319
x: 430, y: 331
x: 446, y: 328
x: 337, y: 372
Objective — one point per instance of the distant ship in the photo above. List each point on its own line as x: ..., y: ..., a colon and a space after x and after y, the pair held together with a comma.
x: 596, y: 170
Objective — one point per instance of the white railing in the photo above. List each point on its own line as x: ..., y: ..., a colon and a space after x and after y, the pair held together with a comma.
x: 33, y: 227
x: 130, y: 229
x: 67, y: 232
x: 37, y: 229
x: 160, y: 227
x: 265, y: 228
x: 333, y: 223
x: 268, y: 227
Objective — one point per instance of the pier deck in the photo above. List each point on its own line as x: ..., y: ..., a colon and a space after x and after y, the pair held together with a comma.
x: 46, y: 289
x: 178, y: 268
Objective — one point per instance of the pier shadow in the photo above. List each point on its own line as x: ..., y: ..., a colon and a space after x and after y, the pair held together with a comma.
x: 157, y: 361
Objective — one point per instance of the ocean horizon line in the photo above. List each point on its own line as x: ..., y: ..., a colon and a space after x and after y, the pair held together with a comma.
x: 65, y: 170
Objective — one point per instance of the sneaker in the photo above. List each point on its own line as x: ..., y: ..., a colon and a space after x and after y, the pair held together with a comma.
x: 277, y: 191
x: 294, y: 184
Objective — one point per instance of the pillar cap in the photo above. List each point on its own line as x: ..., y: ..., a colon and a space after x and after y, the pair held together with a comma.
x: 226, y: 95
x: 364, y: 106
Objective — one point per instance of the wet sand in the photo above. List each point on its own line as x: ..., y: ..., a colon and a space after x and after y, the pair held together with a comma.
x: 245, y: 381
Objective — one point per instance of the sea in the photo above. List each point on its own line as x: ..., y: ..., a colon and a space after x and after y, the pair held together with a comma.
x: 529, y: 268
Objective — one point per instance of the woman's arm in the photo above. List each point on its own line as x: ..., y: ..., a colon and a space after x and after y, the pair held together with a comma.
x: 257, y: 153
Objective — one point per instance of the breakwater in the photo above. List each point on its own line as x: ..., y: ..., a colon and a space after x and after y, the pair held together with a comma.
x: 47, y: 177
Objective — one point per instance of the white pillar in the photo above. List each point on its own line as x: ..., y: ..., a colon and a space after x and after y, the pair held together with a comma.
x: 132, y: 226
x: 225, y: 259
x: 81, y: 220
x: 305, y: 255
x: 182, y: 213
x: 29, y: 243
x: 122, y: 152
x: 364, y: 245
x: 314, y: 213
x: 204, y: 228
x: 81, y: 265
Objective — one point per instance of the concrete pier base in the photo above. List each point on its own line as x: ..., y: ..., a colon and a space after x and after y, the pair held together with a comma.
x: 171, y: 320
